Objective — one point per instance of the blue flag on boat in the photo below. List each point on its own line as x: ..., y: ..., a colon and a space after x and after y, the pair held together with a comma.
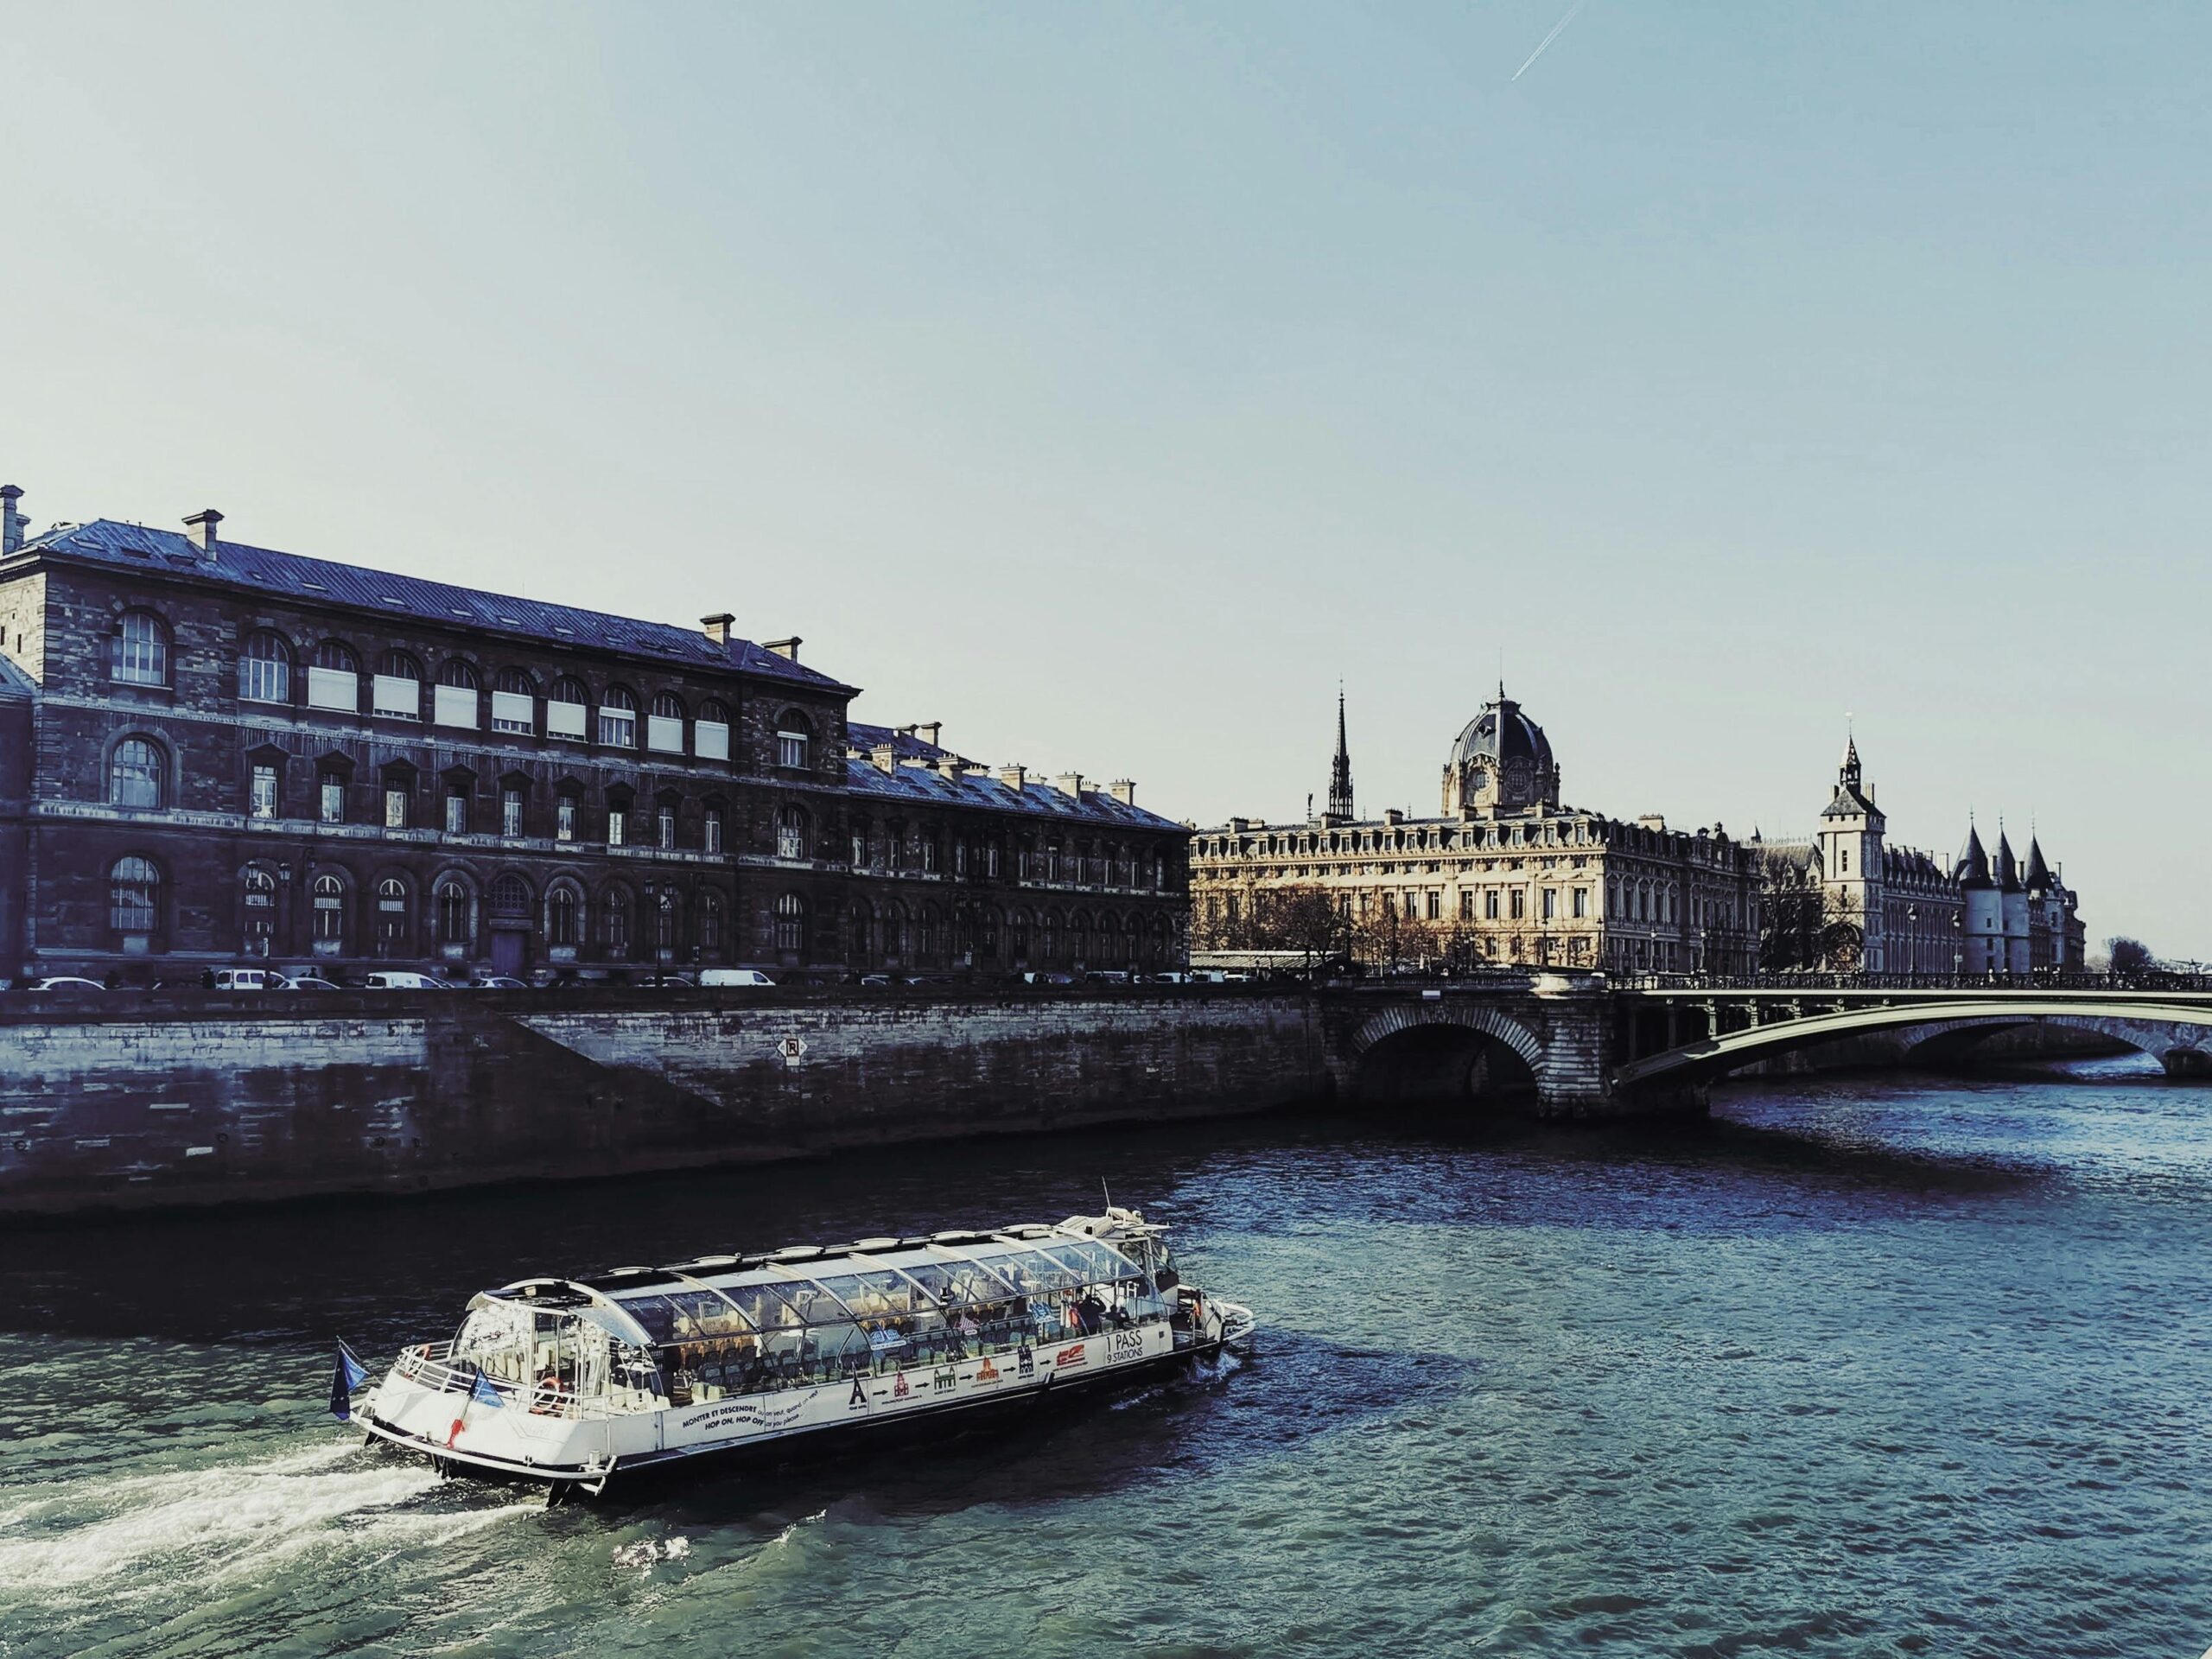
x: 483, y: 1393
x: 349, y: 1375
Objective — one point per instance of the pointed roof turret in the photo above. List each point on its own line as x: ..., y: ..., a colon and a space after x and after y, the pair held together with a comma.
x: 1972, y: 868
x: 2008, y: 868
x: 1340, y: 768
x: 1848, y: 773
x: 1851, y: 800
x: 2037, y: 880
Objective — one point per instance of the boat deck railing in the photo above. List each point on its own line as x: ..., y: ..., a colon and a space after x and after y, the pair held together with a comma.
x: 428, y: 1365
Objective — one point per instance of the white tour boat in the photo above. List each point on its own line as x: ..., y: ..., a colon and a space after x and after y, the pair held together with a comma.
x: 567, y: 1380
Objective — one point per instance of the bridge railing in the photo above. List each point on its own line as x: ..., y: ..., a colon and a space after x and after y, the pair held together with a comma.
x: 1814, y: 983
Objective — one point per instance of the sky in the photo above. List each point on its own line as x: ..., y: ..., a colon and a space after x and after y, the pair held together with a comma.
x: 1112, y: 383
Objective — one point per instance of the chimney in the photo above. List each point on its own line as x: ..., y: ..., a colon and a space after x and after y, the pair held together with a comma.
x: 12, y: 524
x: 1071, y: 783
x: 201, y: 528
x: 885, y: 756
x: 784, y: 648
x: 1013, y: 776
x: 1125, y: 791
x: 929, y: 730
x: 718, y: 628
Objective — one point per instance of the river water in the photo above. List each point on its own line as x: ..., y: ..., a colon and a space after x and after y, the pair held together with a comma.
x: 1875, y: 1365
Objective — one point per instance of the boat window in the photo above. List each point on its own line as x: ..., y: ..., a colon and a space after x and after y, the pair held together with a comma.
x: 493, y: 1328
x: 936, y: 1279
x: 1032, y: 1272
x: 871, y: 1293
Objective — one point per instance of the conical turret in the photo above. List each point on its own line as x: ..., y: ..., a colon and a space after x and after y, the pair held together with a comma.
x: 2008, y: 868
x: 1340, y: 769
x: 2037, y: 878
x: 1973, y: 870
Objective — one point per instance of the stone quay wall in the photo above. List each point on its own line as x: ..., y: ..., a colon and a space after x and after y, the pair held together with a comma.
x: 140, y: 1102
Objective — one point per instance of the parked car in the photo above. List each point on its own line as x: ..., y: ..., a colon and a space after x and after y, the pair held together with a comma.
x: 875, y: 979
x: 496, y: 982
x: 64, y: 982
x: 310, y: 983
x: 665, y: 982
x: 722, y: 977
x: 1108, y: 976
x: 1040, y: 977
x: 397, y: 979
x: 245, y: 979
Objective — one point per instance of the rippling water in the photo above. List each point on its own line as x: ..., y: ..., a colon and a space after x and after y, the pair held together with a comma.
x: 1868, y: 1366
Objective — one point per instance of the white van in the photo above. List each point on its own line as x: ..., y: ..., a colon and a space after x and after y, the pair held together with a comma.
x: 713, y: 976
x: 249, y: 979
x: 399, y: 980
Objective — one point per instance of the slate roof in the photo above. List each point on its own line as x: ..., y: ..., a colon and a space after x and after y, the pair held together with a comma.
x: 324, y: 581
x: 1035, y: 798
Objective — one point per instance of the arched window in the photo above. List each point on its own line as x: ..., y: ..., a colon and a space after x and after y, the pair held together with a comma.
x: 1018, y: 943
x: 792, y: 827
x: 565, y: 708
x: 510, y: 896
x: 664, y: 925
x: 711, y: 736
x: 614, y: 922
x: 456, y: 913
x: 134, y: 901
x: 928, y: 931
x: 334, y: 678
x: 395, y: 918
x: 790, y: 924
x: 710, y: 923
x: 1051, y: 941
x: 563, y: 906
x: 138, y: 774
x: 618, y: 719
x: 257, y: 905
x: 1079, y: 939
x: 142, y: 650
x: 895, y: 940
x: 987, y: 933
x: 514, y: 702
x: 265, y: 669
x: 397, y: 691
x: 864, y: 943
x: 327, y: 902
x: 794, y: 741
x: 664, y: 729
x: 454, y: 702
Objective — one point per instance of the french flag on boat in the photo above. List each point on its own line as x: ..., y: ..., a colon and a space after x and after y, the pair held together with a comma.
x: 483, y: 1393
x: 349, y: 1375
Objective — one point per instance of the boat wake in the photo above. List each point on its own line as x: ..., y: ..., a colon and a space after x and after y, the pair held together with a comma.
x: 209, y: 1526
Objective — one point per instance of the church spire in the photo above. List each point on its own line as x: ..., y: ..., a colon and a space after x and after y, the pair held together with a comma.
x: 1340, y: 769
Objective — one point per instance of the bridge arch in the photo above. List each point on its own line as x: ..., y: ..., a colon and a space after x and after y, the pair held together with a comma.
x: 2179, y: 1035
x: 1430, y: 1054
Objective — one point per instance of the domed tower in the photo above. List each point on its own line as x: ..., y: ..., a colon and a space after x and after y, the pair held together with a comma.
x: 1501, y: 763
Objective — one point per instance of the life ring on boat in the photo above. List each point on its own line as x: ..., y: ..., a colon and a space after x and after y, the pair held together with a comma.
x: 545, y: 1398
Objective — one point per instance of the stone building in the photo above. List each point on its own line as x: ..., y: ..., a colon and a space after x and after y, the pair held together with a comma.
x: 1893, y: 910
x: 1504, y: 875
x: 229, y: 752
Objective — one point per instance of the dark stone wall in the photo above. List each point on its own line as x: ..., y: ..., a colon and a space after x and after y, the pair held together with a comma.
x: 233, y: 1099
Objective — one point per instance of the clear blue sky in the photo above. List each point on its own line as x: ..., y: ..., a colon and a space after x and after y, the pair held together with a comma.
x: 1106, y: 383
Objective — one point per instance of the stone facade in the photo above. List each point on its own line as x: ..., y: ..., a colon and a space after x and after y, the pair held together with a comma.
x: 237, y: 754
x: 1504, y: 875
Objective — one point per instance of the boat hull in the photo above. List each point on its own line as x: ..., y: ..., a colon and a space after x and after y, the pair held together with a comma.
x: 786, y: 1426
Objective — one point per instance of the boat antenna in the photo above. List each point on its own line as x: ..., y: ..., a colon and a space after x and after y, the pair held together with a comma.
x: 1107, y: 1196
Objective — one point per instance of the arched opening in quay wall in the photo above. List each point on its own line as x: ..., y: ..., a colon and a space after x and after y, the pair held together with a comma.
x: 1403, y: 1060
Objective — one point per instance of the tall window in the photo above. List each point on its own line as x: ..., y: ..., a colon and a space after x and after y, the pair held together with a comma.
x: 664, y: 729
x: 260, y: 906
x: 710, y: 732
x: 791, y: 923
x: 514, y: 702
x: 712, y: 827
x: 791, y: 832
x: 394, y: 934
x: 456, y: 809
x: 265, y: 669
x: 134, y: 900
x: 561, y: 908
x: 142, y: 650
x: 564, y: 707
x: 456, y: 912
x: 334, y: 678
x: 138, y: 774
x: 567, y: 810
x: 511, y: 811
x: 793, y: 739
x: 397, y: 691
x: 618, y: 719
x: 710, y: 923
x: 263, y: 802
x: 331, y: 789
x: 614, y: 924
x: 860, y: 843
x: 664, y: 927
x: 326, y: 899
x: 665, y: 827
x: 397, y: 796
x: 454, y: 701
x: 617, y: 823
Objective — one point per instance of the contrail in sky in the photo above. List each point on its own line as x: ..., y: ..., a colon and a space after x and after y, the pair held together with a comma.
x: 1558, y: 29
